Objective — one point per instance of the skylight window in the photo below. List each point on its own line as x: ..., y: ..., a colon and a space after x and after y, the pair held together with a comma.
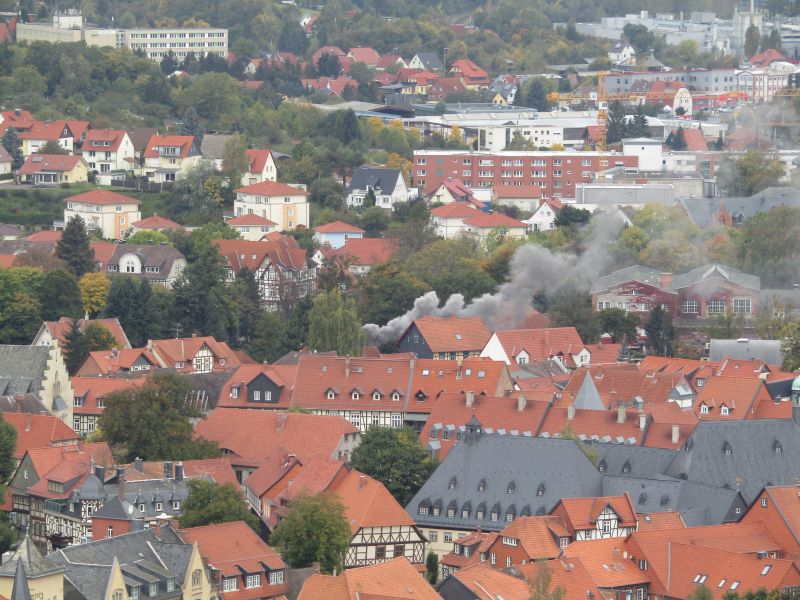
x: 735, y: 585
x: 722, y: 583
x: 765, y: 570
x: 458, y: 337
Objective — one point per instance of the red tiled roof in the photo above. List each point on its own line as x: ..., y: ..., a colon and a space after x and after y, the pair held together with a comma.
x: 258, y: 159
x: 603, y: 561
x: 338, y: 227
x: 538, y: 536
x: 45, y: 459
x: 484, y: 220
x: 589, y: 422
x: 94, y: 137
x: 387, y: 60
x: 253, y: 435
x: 103, y: 253
x: 45, y: 235
x: 91, y: 389
x: 280, y: 249
x: 395, y: 579
x: 7, y: 260
x: 368, y: 56
x: 367, y: 251
x: 661, y: 520
x: 368, y: 503
x: 36, y: 163
x: 695, y: 140
x: 766, y: 58
x: 64, y: 472
x: 540, y: 344
x: 38, y: 431
x: 233, y: 548
x: 453, y: 334
x: 582, y: 513
x: 469, y: 69
x: 184, y: 142
x: 271, y: 188
x: 604, y: 353
x: 102, y: 198
x: 172, y: 351
x: 59, y: 329
x: 454, y: 210
x: 281, y: 375
x: 738, y: 395
x: 250, y: 219
x: 156, y: 222
x: 44, y: 130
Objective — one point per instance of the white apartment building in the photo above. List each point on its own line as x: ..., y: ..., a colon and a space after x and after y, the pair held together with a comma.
x: 284, y: 205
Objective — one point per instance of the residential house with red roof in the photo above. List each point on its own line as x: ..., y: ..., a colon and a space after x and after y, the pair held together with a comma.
x: 332, y: 86
x: 283, y: 204
x: 90, y: 397
x: 482, y: 225
x: 449, y: 219
x: 597, y: 518
x: 38, y: 431
x: 394, y: 579
x: 526, y: 198
x: 523, y: 346
x: 54, y: 168
x: 473, y: 76
x: 362, y: 254
x: 334, y: 50
x: 251, y: 227
x: 336, y: 234
x: 368, y: 56
x: 242, y: 565
x: 108, y: 212
x: 777, y: 510
x: 445, y: 337
x: 611, y: 573
x: 443, y: 87
x: 259, y: 386
x: 262, y: 166
x: 127, y: 360
x: 250, y: 437
x: 389, y: 60
x: 451, y: 190
x: 167, y: 157
x: 282, y: 269
x: 56, y: 331
x: 108, y: 150
x: 194, y: 354
x: 544, y: 215
x: 155, y: 223
x: 68, y: 134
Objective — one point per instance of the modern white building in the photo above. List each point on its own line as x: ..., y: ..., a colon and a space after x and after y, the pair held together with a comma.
x: 284, y: 205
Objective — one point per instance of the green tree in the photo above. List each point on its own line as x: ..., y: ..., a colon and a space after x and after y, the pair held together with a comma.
x: 432, y: 568
x: 791, y: 347
x: 571, y: 307
x: 620, y: 324
x: 638, y: 126
x: 76, y: 347
x: 153, y: 421
x: 751, y: 173
x: 20, y: 319
x: 60, y: 296
x: 94, y: 288
x: 8, y: 533
x: 315, y: 530
x: 616, y: 124
x: 700, y: 592
x: 8, y: 443
x: 660, y: 332
x: 630, y: 243
x: 246, y: 303
x: 74, y: 249
x: 641, y: 38
x: 396, y: 458
x: 726, y: 326
x: 387, y: 292
x: 333, y: 324
x: 770, y: 246
x: 52, y: 147
x: 450, y: 267
x: 142, y: 311
x: 99, y: 337
x: 210, y: 503
x: 192, y: 124
x: 570, y: 215
x: 773, y: 318
x: 235, y: 161
x: 540, y: 586
x: 149, y: 236
x: 677, y: 139
x: 270, y: 338
x: 536, y: 95
x: 13, y: 146
x: 752, y: 40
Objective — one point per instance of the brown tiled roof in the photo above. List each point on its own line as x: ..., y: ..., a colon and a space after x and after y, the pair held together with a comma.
x: 254, y: 435
x: 250, y: 219
x: 662, y: 520
x: 454, y: 210
x: 588, y: 422
x: 46, y: 458
x: 91, y: 389
x: 448, y: 334
x: 45, y: 235
x: 38, y: 431
x: 538, y: 536
x: 338, y: 227
x: 484, y: 220
x: 258, y: 159
x: 395, y: 579
x: 281, y: 250
x: 437, y: 377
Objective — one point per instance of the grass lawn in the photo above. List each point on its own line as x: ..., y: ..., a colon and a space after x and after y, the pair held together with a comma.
x: 37, y: 208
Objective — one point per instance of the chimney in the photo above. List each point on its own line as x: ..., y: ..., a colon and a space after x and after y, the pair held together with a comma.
x: 570, y: 412
x: 522, y: 402
x: 362, y: 481
x: 280, y: 420
x: 470, y: 398
x: 665, y: 281
x: 27, y: 422
x: 621, y: 413
x: 179, y: 472
x: 642, y: 421
x: 100, y: 471
x: 138, y: 464
x: 121, y: 483
x: 115, y: 352
x: 676, y: 433
x: 167, y: 470
x: 347, y: 366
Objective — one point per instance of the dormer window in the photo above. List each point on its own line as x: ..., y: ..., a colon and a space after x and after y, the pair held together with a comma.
x: 626, y: 468
x: 376, y: 395
x: 511, y: 488
x: 776, y: 447
x: 540, y: 490
x: 726, y: 449
x: 330, y: 394
x: 602, y: 466
x: 482, y: 485
x: 234, y: 392
x: 452, y: 484
x: 724, y: 410
x: 395, y: 397
x: 703, y: 409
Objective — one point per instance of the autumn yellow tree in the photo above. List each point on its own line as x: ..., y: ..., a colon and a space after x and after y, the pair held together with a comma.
x: 94, y: 292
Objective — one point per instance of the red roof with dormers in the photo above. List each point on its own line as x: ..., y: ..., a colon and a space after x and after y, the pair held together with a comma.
x: 96, y: 139
x: 250, y: 436
x: 50, y: 131
x: 258, y: 159
x: 453, y: 334
x: 281, y: 250
x: 170, y: 352
x: 470, y: 70
x: 37, y: 163
x: 338, y: 227
x: 102, y: 362
x: 184, y: 142
x: 38, y: 431
x: 538, y: 535
x: 102, y: 198
x: 387, y: 60
x: 92, y: 389
x: 730, y: 398
x: 540, y: 344
x: 44, y: 459
x: 282, y: 376
x: 484, y: 220
x: 583, y: 513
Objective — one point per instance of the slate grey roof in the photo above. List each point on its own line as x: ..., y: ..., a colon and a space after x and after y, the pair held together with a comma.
x: 24, y: 403
x: 22, y: 368
x: 715, y: 270
x: 431, y: 60
x: 150, y: 255
x: 147, y: 493
x: 588, y: 397
x: 620, y: 460
x: 92, y: 488
x: 10, y: 230
x: 383, y: 180
x: 115, y: 508
x: 35, y: 564
x: 744, y: 349
x: 762, y: 452
x: 634, y: 273
x: 702, y: 210
x: 20, y: 591
x: 213, y: 145
x: 543, y: 471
